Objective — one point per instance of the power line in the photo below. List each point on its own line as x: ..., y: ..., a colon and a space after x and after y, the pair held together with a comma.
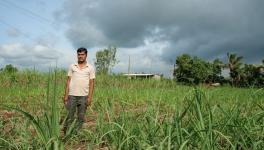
x: 15, y: 28
x: 29, y: 13
x: 24, y: 34
x: 26, y: 12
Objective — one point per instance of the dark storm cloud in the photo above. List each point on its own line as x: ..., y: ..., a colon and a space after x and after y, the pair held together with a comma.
x: 205, y: 28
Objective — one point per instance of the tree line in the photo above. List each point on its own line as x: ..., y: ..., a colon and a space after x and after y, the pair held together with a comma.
x: 194, y: 70
x: 191, y: 69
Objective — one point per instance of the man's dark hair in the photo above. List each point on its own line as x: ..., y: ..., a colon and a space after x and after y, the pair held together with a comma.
x: 82, y: 49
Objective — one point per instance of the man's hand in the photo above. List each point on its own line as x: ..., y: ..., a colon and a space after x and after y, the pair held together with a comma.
x: 65, y: 100
x: 89, y: 101
x: 90, y: 95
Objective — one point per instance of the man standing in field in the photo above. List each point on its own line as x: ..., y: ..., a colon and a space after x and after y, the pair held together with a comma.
x: 79, y: 89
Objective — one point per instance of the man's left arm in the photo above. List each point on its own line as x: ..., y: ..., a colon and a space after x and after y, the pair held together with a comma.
x: 91, y: 90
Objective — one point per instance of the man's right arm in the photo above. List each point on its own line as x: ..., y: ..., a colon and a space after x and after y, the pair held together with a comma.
x: 67, y: 90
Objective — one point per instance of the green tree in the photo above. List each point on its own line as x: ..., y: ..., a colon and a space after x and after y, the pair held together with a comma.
x: 191, y: 70
x: 217, y: 67
x: 234, y: 65
x: 216, y: 75
x: 201, y: 70
x: 105, y: 60
x: 10, y: 69
x: 182, y: 71
x: 249, y: 75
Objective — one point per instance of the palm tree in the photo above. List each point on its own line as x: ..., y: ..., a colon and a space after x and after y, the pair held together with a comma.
x: 217, y: 67
x: 234, y: 65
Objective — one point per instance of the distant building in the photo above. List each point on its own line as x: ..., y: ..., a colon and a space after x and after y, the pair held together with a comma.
x: 143, y: 76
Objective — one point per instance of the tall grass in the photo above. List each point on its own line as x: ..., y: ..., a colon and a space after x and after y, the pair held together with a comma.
x: 47, y: 126
x: 141, y: 114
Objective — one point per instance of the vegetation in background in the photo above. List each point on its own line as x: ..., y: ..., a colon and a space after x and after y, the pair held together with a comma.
x: 105, y: 60
x: 9, y: 69
x: 193, y: 70
x: 235, y: 68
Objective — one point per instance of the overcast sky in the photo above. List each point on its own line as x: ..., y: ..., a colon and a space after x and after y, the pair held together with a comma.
x: 152, y: 32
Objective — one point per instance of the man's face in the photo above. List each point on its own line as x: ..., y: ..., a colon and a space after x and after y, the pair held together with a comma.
x: 81, y: 57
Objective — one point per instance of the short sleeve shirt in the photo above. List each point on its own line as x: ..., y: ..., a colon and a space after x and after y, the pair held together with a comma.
x: 79, y: 84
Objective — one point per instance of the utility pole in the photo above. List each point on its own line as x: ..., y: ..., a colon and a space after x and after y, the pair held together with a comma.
x: 128, y: 71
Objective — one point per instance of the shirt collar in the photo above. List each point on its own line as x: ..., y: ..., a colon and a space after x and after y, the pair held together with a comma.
x: 76, y: 64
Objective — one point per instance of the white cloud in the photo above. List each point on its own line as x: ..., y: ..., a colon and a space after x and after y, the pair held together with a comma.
x: 145, y: 59
x: 23, y: 55
x: 12, y: 51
